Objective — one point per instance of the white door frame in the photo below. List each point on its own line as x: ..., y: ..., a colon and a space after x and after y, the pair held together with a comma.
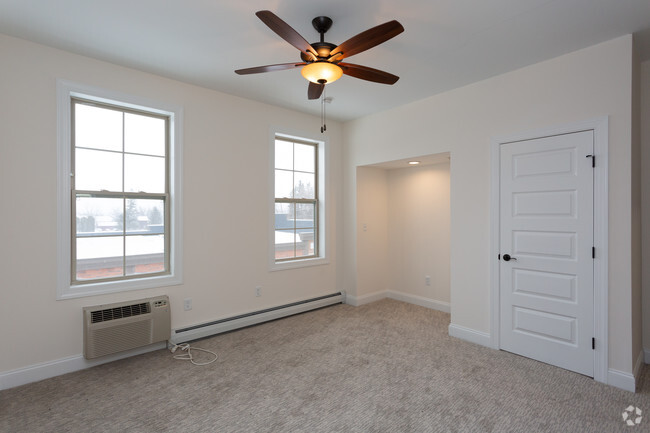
x: 601, y: 144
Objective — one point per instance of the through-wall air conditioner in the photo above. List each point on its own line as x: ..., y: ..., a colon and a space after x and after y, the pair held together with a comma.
x: 113, y: 328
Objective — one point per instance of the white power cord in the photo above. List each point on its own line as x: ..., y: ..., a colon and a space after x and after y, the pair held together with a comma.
x: 188, y: 356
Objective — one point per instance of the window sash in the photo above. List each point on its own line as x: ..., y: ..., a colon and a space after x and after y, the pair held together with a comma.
x: 123, y: 233
x: 295, y: 231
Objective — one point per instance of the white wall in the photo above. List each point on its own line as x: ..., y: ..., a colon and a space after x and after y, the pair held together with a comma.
x: 645, y: 202
x: 636, y: 233
x: 419, y: 231
x: 372, y: 266
x: 226, y: 207
x: 586, y: 84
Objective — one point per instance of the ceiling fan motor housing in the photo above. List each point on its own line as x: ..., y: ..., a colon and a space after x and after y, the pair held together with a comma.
x: 322, y: 48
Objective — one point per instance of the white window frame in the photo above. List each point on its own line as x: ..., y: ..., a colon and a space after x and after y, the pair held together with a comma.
x: 67, y: 90
x: 323, y: 182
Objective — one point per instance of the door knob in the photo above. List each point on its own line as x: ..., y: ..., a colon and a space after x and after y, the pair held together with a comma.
x: 507, y: 258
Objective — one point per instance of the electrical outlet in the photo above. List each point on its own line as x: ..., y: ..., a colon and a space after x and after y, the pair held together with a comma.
x: 427, y: 280
x: 258, y: 291
x: 187, y: 304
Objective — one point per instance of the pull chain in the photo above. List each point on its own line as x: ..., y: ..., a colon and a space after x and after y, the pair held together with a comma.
x: 322, y: 112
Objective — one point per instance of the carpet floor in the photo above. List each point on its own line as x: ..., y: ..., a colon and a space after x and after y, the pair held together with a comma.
x: 382, y: 367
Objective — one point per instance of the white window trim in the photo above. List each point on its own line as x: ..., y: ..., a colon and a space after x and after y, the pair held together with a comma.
x: 65, y: 91
x: 323, y: 184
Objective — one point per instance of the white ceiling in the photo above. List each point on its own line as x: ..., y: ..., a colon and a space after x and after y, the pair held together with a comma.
x: 446, y: 43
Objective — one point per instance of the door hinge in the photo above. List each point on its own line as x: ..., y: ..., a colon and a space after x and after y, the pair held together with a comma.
x: 593, y: 252
x: 593, y: 344
x: 593, y: 160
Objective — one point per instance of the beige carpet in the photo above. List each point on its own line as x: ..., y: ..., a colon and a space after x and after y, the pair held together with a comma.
x: 382, y: 367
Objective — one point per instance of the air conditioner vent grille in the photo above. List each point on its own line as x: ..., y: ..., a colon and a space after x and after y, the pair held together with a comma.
x: 120, y: 312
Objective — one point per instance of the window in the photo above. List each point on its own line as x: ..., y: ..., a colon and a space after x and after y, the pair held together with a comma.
x: 298, y: 206
x: 122, y: 196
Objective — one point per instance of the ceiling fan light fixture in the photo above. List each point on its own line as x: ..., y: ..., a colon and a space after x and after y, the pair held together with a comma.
x: 322, y: 72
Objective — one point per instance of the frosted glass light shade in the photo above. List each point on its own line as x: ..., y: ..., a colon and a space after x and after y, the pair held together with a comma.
x: 322, y: 72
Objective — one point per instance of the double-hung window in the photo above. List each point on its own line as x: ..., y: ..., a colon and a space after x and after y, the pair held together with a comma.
x: 121, y: 195
x: 297, y: 221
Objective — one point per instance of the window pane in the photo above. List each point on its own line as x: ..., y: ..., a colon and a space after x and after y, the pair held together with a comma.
x: 304, y: 157
x: 99, y: 216
x: 99, y: 257
x: 283, y: 155
x: 144, y: 134
x: 283, y: 184
x: 145, y: 254
x: 304, y: 185
x: 284, y: 216
x: 144, y: 173
x: 96, y: 170
x: 284, y: 244
x: 145, y: 216
x: 97, y: 128
x: 305, y: 243
x: 305, y: 215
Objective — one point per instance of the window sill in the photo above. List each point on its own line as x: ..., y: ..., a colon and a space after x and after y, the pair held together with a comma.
x: 102, y: 288
x: 295, y: 264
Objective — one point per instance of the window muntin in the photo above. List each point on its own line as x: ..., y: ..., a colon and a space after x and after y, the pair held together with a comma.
x: 120, y: 193
x: 296, y: 219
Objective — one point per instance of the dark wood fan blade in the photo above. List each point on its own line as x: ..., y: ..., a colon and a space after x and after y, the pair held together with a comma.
x: 268, y: 68
x: 285, y: 31
x: 368, y: 39
x: 315, y: 90
x: 368, y: 74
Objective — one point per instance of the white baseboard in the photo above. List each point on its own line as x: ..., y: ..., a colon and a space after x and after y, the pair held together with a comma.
x: 46, y: 370
x: 646, y: 356
x: 419, y: 300
x: 637, y: 368
x: 627, y: 381
x: 471, y: 335
x: 398, y: 296
x: 357, y: 301
x: 621, y: 380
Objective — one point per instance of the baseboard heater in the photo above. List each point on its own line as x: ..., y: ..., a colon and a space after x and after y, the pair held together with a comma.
x: 203, y: 330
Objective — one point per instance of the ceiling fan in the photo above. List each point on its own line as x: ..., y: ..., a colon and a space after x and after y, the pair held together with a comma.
x: 322, y: 61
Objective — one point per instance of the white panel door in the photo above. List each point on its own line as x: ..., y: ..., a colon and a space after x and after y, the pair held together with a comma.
x: 546, y: 240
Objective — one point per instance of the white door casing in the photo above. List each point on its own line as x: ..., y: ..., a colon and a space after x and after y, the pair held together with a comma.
x: 546, y: 192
